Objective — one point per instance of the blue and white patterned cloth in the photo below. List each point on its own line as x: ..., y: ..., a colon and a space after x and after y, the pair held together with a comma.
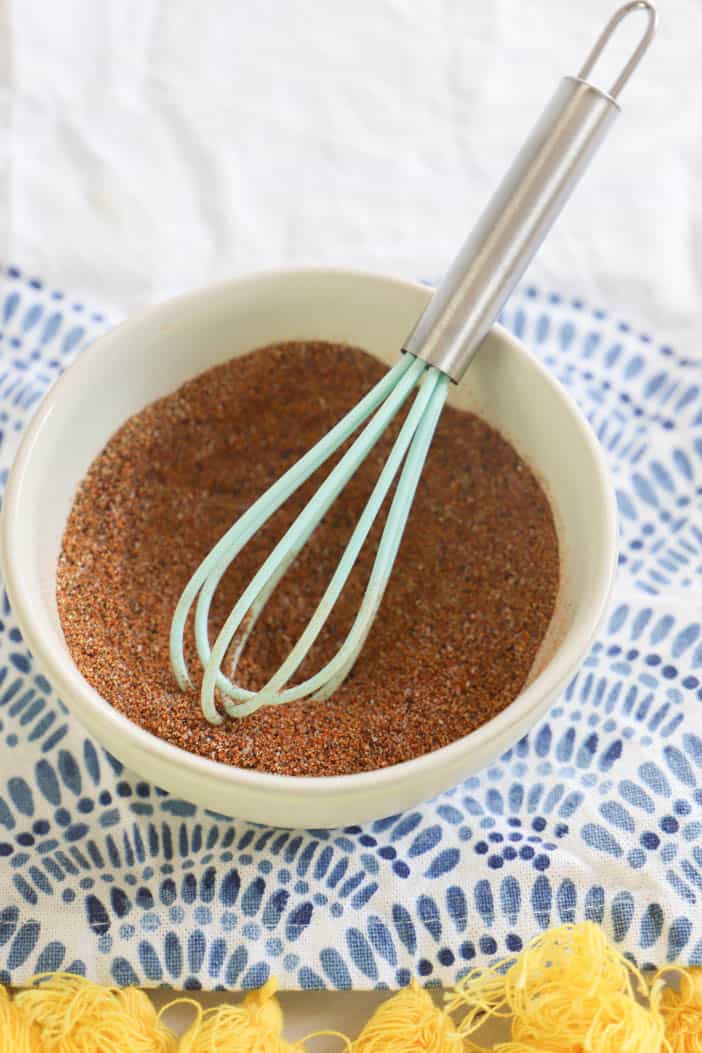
x: 597, y: 814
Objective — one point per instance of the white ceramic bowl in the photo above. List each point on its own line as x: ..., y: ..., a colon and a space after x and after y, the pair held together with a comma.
x: 151, y: 355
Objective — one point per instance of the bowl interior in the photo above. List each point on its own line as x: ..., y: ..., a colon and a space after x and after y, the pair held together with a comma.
x: 148, y: 357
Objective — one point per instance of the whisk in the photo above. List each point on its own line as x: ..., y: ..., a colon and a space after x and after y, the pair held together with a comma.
x: 437, y: 353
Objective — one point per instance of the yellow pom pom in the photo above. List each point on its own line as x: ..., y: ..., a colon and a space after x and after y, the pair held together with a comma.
x: 17, y: 1034
x: 73, y: 1015
x: 619, y: 1026
x: 253, y: 1026
x: 409, y: 1022
x: 681, y: 1010
x: 569, y: 991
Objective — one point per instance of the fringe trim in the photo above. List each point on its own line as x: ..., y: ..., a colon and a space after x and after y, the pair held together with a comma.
x: 568, y: 991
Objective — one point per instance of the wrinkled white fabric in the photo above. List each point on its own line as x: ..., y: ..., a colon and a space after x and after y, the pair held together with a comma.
x: 155, y: 146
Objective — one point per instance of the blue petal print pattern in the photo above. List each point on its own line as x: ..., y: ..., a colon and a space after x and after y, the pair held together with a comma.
x: 596, y: 814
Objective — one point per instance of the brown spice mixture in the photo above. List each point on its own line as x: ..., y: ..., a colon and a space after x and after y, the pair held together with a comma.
x: 469, y: 601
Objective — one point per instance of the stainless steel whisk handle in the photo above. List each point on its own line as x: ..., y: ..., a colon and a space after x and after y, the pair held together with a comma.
x: 522, y: 210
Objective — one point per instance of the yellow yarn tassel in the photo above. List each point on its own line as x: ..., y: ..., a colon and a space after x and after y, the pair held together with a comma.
x: 253, y: 1026
x: 681, y: 1009
x: 569, y: 991
x: 73, y: 1015
x: 409, y: 1022
x: 17, y: 1034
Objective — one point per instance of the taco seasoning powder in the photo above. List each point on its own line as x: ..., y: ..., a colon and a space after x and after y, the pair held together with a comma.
x: 468, y: 604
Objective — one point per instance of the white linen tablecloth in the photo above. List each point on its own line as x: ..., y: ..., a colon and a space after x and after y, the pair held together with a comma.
x: 154, y: 146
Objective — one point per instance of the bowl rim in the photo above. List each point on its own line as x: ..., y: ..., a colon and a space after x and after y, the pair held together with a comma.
x: 69, y: 681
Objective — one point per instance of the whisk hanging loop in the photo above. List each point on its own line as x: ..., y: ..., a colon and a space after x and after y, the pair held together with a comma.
x: 607, y: 34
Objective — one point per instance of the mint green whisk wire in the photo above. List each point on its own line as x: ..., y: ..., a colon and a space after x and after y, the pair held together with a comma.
x: 297, y: 535
x: 231, y: 543
x: 417, y: 433
x: 418, y: 430
x: 385, y: 399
